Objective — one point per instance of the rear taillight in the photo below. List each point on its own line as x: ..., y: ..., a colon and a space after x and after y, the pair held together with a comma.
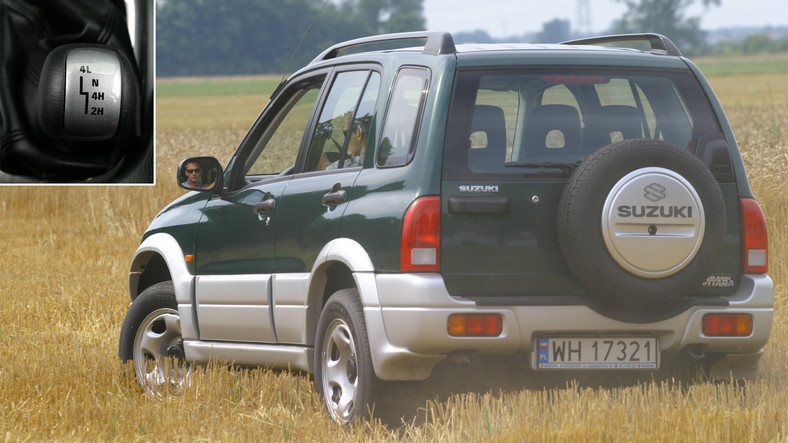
x: 475, y: 325
x: 421, y: 233
x: 727, y: 325
x: 755, y: 242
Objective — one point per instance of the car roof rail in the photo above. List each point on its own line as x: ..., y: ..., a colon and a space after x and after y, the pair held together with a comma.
x: 437, y: 43
x: 658, y: 42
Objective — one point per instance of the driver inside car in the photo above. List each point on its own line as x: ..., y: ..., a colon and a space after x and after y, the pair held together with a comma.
x: 356, y: 144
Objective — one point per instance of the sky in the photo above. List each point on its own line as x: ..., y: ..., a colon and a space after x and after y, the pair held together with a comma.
x: 501, y: 18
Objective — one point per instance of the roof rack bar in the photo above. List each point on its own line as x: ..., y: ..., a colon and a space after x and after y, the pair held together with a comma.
x: 657, y: 41
x: 437, y: 43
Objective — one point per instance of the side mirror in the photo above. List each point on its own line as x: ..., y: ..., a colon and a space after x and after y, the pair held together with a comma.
x: 200, y: 174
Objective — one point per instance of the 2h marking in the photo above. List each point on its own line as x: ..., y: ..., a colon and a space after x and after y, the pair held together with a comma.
x: 96, y: 96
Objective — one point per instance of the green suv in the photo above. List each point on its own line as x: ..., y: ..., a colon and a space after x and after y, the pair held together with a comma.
x: 580, y: 206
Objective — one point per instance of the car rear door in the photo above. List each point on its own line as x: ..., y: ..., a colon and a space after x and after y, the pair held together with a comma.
x: 498, y: 222
x: 513, y: 139
x: 310, y: 211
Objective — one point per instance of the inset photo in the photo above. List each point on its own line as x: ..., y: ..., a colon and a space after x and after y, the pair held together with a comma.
x: 76, y: 97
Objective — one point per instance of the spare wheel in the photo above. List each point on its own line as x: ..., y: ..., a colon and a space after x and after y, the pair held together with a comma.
x: 641, y: 223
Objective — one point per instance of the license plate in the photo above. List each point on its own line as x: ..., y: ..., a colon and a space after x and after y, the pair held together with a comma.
x: 597, y: 353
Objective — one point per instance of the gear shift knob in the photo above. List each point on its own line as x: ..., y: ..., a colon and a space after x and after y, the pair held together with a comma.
x: 87, y: 92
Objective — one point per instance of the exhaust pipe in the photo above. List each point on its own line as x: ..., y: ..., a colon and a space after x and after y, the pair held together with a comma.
x: 697, y: 352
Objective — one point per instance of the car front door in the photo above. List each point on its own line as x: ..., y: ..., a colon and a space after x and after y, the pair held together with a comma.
x: 236, y: 235
x: 300, y: 163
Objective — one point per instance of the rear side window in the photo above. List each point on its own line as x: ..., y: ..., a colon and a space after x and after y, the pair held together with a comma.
x: 400, y: 128
x: 516, y: 121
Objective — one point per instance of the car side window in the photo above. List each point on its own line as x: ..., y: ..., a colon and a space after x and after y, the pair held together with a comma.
x: 362, y: 125
x: 338, y: 139
x: 400, y: 129
x: 276, y: 150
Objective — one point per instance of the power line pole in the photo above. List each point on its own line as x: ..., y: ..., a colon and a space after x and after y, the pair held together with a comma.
x: 583, y: 18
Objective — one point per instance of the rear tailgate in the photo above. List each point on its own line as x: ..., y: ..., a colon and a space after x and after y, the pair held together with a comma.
x: 513, y: 139
x: 499, y: 238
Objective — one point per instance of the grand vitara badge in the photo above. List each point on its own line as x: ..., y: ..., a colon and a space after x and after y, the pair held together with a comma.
x: 653, y: 222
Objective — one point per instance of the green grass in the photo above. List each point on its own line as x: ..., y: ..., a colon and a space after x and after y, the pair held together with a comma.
x: 743, y: 65
x: 204, y: 87
x: 229, y: 86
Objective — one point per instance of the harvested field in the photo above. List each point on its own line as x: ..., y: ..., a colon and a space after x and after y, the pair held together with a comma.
x: 63, y: 296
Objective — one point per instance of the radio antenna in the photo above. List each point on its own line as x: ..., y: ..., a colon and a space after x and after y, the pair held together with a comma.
x: 292, y: 57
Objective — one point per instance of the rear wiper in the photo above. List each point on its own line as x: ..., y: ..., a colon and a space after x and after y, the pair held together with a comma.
x: 568, y: 167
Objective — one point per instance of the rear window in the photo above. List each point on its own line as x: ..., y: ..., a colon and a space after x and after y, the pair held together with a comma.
x: 540, y: 120
x: 400, y: 129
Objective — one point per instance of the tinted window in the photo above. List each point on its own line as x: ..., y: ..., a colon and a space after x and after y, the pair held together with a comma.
x: 276, y: 150
x: 342, y: 128
x: 400, y: 129
x: 509, y: 122
x: 362, y: 125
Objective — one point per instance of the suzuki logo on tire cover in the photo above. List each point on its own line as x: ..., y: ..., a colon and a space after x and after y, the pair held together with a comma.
x: 661, y: 237
x: 654, y: 192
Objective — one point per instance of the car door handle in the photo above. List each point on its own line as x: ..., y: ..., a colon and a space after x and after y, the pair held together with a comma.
x: 335, y: 196
x: 264, y: 206
x: 479, y: 205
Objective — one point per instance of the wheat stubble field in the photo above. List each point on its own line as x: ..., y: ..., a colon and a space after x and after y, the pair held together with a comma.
x: 65, y: 254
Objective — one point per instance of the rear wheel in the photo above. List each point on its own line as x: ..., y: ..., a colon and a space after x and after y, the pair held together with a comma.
x: 344, y: 375
x: 151, y: 338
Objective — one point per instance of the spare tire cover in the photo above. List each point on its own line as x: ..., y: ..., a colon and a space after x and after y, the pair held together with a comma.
x: 641, y: 223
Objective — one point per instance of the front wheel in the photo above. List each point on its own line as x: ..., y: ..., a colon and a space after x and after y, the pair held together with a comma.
x: 151, y: 338
x: 344, y: 375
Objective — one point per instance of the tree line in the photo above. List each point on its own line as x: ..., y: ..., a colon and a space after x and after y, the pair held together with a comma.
x: 236, y: 37
x: 233, y: 37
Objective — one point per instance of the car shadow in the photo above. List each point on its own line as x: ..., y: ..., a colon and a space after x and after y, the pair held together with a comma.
x: 405, y: 403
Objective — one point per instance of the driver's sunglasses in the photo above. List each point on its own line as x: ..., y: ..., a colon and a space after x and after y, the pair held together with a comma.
x: 191, y: 171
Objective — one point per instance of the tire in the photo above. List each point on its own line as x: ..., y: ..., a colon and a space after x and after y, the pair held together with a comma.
x: 344, y: 375
x: 640, y: 225
x: 151, y: 339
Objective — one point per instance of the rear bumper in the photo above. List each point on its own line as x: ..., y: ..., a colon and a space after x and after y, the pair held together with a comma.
x: 410, y: 325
